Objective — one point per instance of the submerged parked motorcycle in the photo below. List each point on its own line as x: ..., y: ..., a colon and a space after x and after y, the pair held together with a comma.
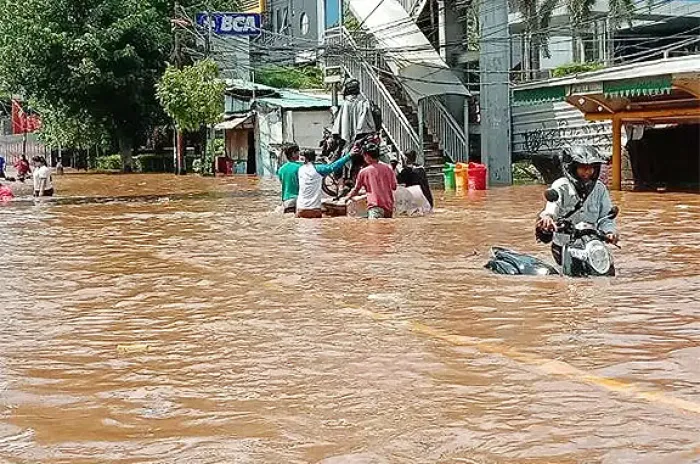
x: 585, y: 254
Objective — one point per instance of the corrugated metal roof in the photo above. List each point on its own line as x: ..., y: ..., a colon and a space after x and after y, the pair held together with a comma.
x: 289, y: 99
x: 670, y: 66
x: 283, y: 98
x: 233, y: 123
x: 239, y: 85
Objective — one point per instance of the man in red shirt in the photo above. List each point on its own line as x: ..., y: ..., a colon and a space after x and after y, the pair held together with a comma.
x: 379, y: 181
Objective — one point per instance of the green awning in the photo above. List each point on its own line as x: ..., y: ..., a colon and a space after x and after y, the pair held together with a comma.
x: 540, y: 95
x: 650, y: 86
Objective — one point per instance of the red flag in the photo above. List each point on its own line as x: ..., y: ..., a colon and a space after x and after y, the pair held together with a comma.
x: 17, y: 118
x: 33, y: 123
x: 23, y: 122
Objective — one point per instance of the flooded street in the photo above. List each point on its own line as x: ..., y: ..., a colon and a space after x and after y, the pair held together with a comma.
x: 195, y: 326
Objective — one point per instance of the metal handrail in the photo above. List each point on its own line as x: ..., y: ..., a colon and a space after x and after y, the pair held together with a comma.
x: 450, y: 135
x: 396, y: 125
x: 439, y: 121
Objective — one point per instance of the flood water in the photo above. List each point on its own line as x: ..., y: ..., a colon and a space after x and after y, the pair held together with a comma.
x: 183, y: 322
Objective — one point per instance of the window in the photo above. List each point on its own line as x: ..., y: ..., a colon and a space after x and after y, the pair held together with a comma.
x: 304, y: 24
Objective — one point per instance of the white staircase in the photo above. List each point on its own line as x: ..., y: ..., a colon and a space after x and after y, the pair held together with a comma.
x: 400, y: 49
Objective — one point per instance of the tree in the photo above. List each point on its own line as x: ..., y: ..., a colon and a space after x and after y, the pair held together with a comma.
x: 579, y: 15
x: 193, y: 96
x: 289, y: 77
x: 99, y: 59
x: 59, y: 129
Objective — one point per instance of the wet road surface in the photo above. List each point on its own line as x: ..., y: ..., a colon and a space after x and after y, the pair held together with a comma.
x: 181, y: 321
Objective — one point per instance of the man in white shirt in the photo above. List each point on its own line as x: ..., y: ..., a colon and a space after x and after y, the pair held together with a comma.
x: 310, y: 181
x: 43, y: 183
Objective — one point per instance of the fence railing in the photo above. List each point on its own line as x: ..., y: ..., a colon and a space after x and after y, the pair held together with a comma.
x: 448, y: 132
x: 363, y: 65
x: 396, y: 125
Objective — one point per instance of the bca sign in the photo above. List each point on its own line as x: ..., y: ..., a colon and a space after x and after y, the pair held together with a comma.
x: 241, y: 24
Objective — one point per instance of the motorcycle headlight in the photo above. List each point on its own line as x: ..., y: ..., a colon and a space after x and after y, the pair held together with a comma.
x: 598, y: 257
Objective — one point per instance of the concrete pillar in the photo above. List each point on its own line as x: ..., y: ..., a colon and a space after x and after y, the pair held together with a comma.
x: 617, y: 154
x: 495, y: 92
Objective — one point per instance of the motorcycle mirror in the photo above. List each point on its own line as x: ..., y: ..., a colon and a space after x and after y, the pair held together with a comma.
x: 614, y: 212
x: 551, y: 195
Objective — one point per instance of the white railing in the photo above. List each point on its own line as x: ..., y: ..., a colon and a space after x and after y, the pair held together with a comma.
x: 396, y: 125
x: 362, y: 65
x: 448, y: 132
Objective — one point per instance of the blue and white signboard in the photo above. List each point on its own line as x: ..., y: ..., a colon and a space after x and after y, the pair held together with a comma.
x: 241, y: 24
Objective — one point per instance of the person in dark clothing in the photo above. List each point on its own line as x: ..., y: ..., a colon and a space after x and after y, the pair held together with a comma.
x: 413, y: 174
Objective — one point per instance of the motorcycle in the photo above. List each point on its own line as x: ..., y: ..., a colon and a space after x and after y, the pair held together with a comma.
x: 585, y: 254
x: 340, y: 183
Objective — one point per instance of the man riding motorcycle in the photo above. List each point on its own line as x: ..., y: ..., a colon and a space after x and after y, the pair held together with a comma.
x: 582, y: 198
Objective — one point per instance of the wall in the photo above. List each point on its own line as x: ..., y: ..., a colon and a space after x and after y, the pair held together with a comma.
x: 248, y: 5
x: 237, y: 144
x: 542, y: 130
x: 269, y: 137
x: 307, y: 127
x: 232, y: 54
x: 296, y: 18
x: 560, y: 51
x: 235, y: 105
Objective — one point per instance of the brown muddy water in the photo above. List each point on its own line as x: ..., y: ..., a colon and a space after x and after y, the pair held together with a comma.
x: 183, y: 322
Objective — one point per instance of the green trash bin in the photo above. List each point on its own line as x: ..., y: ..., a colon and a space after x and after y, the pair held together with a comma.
x: 449, y: 173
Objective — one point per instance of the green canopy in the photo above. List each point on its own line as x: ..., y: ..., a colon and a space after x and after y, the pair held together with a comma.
x: 649, y: 86
x: 539, y: 95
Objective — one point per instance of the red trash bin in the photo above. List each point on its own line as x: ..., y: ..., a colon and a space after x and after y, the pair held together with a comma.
x: 477, y: 176
x: 221, y: 164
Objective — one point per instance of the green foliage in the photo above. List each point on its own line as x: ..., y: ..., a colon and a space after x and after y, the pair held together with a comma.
x: 575, y: 68
x: 192, y: 96
x: 61, y: 128
x: 288, y: 77
x: 350, y: 21
x: 97, y: 59
x: 109, y: 163
x: 218, y: 146
x: 619, y: 11
x: 473, y: 24
x: 525, y: 173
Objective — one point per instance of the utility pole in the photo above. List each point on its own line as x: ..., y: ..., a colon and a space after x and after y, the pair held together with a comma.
x: 494, y: 64
x: 180, y: 167
x: 208, y: 129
